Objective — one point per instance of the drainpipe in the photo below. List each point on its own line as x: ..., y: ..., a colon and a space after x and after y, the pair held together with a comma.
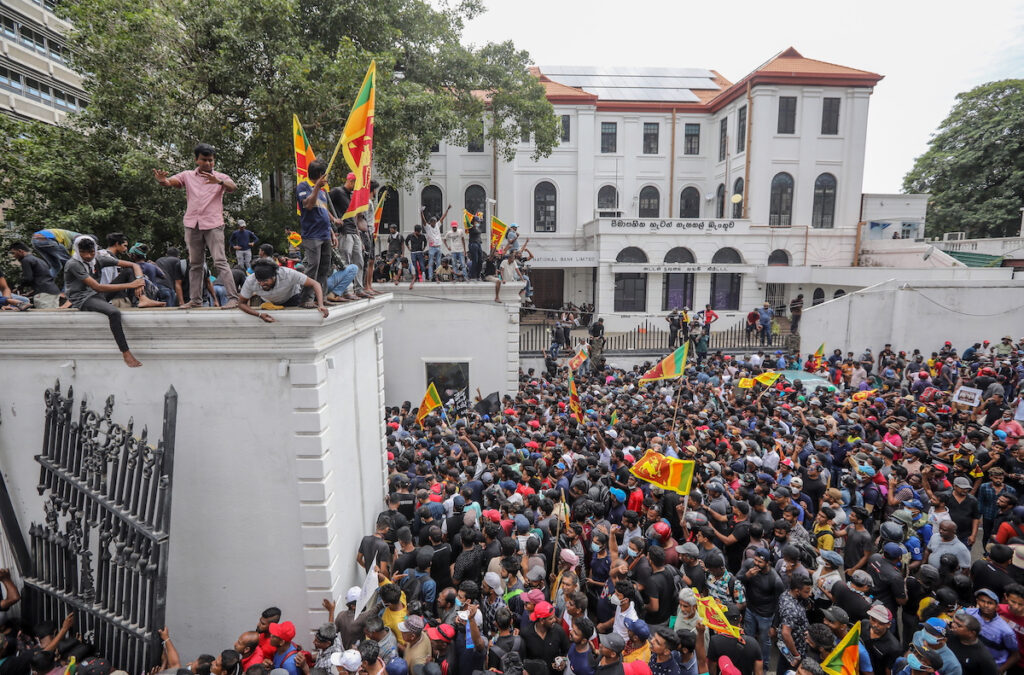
x: 494, y: 170
x: 746, y: 170
x: 672, y: 169
x: 856, y: 241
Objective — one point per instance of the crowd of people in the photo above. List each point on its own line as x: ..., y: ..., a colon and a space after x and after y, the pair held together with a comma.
x: 516, y: 539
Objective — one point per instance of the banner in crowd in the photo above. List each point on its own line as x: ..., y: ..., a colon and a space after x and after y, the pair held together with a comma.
x: 712, y: 614
x: 574, y: 400
x: 581, y: 356
x: 498, y: 230
x: 768, y: 379
x: 368, y: 587
x: 357, y: 142
x: 670, y: 367
x: 665, y: 472
x: 431, y: 401
x: 460, y: 402
x: 845, y: 658
x: 304, y: 154
x: 968, y: 396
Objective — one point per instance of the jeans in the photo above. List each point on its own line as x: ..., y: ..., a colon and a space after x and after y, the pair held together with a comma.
x: 316, y: 256
x: 339, y: 281
x: 476, y: 259
x: 165, y: 294
x: 433, y: 261
x: 794, y: 323
x: 419, y: 266
x: 96, y: 303
x: 15, y: 297
x: 222, y: 295
x: 53, y: 254
x: 244, y: 258
x: 197, y: 242
x: 459, y: 263
x: 351, y: 249
x: 758, y: 627
x: 766, y: 334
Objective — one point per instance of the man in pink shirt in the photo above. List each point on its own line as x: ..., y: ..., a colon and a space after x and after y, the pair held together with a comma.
x: 204, y: 222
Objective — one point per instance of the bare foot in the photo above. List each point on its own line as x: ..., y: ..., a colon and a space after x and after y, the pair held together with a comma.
x: 130, y: 360
x: 411, y: 285
x: 497, y: 301
x: 145, y: 301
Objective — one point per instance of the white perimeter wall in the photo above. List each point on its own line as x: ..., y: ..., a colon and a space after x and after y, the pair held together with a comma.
x: 915, y: 314
x: 278, y: 467
x: 451, y: 322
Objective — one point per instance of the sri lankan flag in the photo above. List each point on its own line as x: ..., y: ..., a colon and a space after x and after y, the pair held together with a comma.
x: 498, y: 230
x: 581, y: 356
x: 746, y: 383
x: 304, y: 154
x: 863, y: 395
x: 664, y: 472
x: 377, y: 215
x: 574, y: 400
x: 615, y: 417
x: 467, y: 220
x: 357, y: 142
x: 670, y: 367
x: 431, y: 401
x: 845, y: 658
x: 712, y: 614
x: 768, y: 379
x: 819, y: 356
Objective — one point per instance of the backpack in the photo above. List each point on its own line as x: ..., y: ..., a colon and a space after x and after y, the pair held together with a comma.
x: 808, y: 555
x: 412, y: 586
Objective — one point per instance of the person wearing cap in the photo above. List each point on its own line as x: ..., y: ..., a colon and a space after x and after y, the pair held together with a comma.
x: 932, y: 639
x: 994, y: 571
x: 455, y: 241
x: 610, y: 653
x: 962, y: 640
x: 945, y: 541
x: 326, y: 641
x: 638, y: 647
x: 285, y: 651
x: 763, y: 588
x: 996, y: 633
x: 693, y: 573
x: 242, y: 240
x: 350, y: 630
x: 879, y: 640
x: 543, y: 638
x: 347, y: 662
x: 417, y: 644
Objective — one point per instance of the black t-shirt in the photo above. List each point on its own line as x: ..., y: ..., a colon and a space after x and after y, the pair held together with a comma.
x: 975, y: 659
x: 855, y: 604
x: 985, y: 574
x: 743, y: 656
x: 857, y: 544
x: 962, y: 513
x: 887, y: 582
x: 734, y: 552
x: 698, y: 577
x: 35, y: 273
x: 394, y: 243
x: 171, y: 267
x: 883, y: 651
x: 815, y: 489
x: 475, y: 236
x: 372, y: 546
x: 440, y: 565
x: 416, y: 242
x: 763, y: 590
x: 993, y: 411
x: 340, y: 198
x: 661, y: 586
x: 547, y: 648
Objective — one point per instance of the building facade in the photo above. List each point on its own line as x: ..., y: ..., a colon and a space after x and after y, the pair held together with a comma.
x: 35, y: 80
x: 672, y: 187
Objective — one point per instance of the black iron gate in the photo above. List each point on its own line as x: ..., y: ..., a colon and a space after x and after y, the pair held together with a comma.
x: 102, y: 551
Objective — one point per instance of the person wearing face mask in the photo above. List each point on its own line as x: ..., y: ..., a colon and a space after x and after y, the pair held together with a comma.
x: 623, y: 600
x: 639, y: 566
x: 600, y: 564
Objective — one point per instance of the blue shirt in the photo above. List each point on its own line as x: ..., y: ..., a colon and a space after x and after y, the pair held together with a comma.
x: 244, y: 238
x: 316, y: 222
x: 996, y: 634
x: 287, y: 663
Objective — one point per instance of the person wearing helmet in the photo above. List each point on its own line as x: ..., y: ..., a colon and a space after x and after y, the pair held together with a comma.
x: 911, y: 540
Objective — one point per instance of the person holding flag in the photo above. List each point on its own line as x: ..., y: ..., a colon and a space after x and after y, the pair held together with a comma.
x: 350, y: 244
x: 318, y: 238
x: 476, y: 249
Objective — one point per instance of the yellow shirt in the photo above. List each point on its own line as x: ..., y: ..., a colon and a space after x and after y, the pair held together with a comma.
x: 392, y: 618
x: 641, y: 653
x: 826, y: 542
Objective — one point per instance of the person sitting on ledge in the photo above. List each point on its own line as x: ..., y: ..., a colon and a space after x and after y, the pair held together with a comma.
x: 84, y: 291
x: 278, y: 286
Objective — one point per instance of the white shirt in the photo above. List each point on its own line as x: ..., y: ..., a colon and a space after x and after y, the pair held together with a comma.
x: 620, y: 620
x: 433, y: 233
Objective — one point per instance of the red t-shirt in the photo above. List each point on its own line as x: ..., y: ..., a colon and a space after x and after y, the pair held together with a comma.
x: 254, y: 658
x: 1016, y: 623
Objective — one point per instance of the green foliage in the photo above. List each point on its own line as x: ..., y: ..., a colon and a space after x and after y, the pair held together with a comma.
x: 974, y: 166
x: 163, y: 75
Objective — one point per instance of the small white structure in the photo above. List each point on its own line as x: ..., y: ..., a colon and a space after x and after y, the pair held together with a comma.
x: 451, y: 334
x: 893, y: 216
x: 279, y: 460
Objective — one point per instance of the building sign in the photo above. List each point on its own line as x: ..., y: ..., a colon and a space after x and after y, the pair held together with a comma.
x: 556, y: 259
x: 671, y: 225
x: 673, y: 268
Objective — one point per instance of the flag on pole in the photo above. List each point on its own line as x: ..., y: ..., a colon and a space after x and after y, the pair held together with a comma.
x: 863, y: 395
x: 357, y: 142
x: 467, y: 220
x: 745, y: 383
x: 670, y: 367
x: 498, y: 230
x: 574, y: 400
x: 819, y: 356
x: 665, y: 472
x: 768, y: 379
x: 581, y: 356
x: 431, y: 401
x: 712, y: 614
x: 304, y: 154
x: 615, y: 417
x: 377, y: 215
x: 845, y: 658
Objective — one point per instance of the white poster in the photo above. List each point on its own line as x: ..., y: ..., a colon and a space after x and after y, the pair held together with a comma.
x: 967, y: 396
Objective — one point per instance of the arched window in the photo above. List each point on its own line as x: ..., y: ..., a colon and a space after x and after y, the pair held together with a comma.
x: 608, y: 202
x: 631, y: 287
x: 391, y: 214
x: 677, y: 287
x: 720, y: 201
x: 838, y: 294
x: 818, y: 297
x: 545, y: 207
x: 725, y: 286
x: 780, y: 208
x: 476, y: 199
x: 689, y: 203
x: 778, y: 257
x: 727, y: 256
x: 631, y: 254
x: 824, y: 210
x: 431, y: 201
x: 650, y: 202
x: 737, y: 207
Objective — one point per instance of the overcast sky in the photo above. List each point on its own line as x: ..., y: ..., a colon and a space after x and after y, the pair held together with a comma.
x: 927, y: 51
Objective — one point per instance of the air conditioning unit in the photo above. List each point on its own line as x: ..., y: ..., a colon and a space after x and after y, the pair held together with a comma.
x: 954, y: 236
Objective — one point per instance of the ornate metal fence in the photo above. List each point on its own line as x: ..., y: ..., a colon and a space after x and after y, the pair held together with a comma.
x: 102, y: 549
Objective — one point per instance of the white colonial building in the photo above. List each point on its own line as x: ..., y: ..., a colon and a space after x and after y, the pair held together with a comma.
x: 674, y: 187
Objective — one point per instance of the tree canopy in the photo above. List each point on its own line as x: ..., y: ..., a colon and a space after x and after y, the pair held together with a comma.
x: 974, y: 166
x: 165, y: 75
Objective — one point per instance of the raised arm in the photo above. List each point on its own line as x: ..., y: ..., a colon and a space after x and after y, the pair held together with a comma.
x: 161, y: 177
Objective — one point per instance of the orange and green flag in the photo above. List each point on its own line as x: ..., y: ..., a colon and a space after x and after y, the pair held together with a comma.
x: 357, y: 142
x: 498, y: 230
x: 304, y: 154
x: 665, y: 472
x: 615, y: 417
x: 431, y: 401
x: 467, y: 220
x: 819, y: 356
x: 670, y: 367
x: 845, y: 658
x: 378, y: 214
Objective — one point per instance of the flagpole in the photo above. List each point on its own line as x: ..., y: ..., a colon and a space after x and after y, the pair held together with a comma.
x: 335, y: 155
